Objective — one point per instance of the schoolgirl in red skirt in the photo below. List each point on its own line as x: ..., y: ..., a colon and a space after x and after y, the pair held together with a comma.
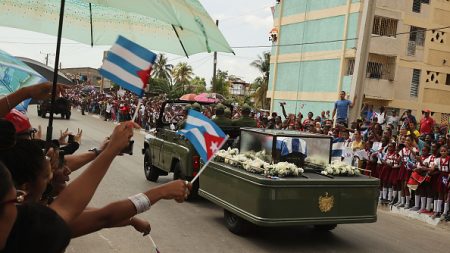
x: 423, y: 197
x: 406, y: 155
x: 390, y: 164
x: 442, y: 165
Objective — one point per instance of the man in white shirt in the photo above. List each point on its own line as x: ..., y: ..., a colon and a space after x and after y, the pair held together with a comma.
x: 393, y: 120
x: 381, y: 116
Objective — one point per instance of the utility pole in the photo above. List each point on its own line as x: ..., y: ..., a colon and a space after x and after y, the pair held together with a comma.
x: 47, y: 55
x: 215, y: 62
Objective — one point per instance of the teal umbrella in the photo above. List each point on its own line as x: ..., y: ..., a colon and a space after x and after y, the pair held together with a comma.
x: 181, y: 27
x: 15, y: 74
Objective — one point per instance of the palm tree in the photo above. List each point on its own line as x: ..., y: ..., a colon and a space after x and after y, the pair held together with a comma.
x: 262, y: 83
x: 261, y: 91
x: 182, y: 74
x: 162, y: 69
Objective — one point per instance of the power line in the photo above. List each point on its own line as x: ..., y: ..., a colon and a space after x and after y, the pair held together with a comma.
x: 244, y: 47
x: 332, y: 41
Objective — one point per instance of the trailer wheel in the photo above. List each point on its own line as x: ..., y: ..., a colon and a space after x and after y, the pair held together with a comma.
x: 236, y: 224
x: 326, y: 227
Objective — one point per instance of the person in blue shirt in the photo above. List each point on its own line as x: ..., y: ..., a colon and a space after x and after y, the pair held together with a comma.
x: 341, y: 108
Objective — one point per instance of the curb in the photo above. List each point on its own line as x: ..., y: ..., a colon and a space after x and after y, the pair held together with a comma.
x: 415, y: 216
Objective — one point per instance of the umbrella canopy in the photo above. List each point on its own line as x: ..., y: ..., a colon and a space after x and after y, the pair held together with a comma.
x: 180, y: 27
x: 209, y: 97
x: 15, y: 74
x: 45, y: 71
x: 188, y: 97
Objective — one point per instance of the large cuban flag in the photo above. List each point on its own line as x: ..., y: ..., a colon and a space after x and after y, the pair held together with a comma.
x: 129, y: 65
x: 288, y: 145
x: 206, y: 137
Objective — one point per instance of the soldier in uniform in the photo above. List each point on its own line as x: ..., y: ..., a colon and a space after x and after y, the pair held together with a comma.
x: 220, y: 119
x: 196, y: 106
x: 245, y: 120
x: 227, y: 113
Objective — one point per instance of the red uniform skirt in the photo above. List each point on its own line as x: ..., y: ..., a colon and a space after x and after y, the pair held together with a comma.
x: 385, y: 173
x: 394, y: 176
x: 404, y: 173
x: 434, y: 183
x: 372, y: 167
x: 441, y: 187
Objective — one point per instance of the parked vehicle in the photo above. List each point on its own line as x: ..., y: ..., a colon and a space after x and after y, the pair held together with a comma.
x: 62, y: 106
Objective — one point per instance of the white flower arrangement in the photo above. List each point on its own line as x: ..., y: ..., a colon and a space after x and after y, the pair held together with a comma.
x: 254, y: 162
x: 338, y: 168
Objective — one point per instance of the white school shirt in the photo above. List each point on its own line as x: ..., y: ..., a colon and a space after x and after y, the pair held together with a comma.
x: 442, y: 164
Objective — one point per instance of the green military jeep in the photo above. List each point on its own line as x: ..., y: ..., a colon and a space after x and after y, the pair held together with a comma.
x: 165, y: 151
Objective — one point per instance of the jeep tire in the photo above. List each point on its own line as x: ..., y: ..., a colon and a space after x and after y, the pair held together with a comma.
x: 151, y: 172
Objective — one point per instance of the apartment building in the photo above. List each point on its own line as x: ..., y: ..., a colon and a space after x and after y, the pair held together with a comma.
x: 394, y: 53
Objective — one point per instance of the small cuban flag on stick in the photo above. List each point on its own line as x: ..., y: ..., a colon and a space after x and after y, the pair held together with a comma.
x: 129, y: 65
x: 155, y: 248
x: 206, y: 137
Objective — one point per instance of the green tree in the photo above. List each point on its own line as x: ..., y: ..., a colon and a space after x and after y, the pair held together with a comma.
x: 221, y: 83
x: 261, y: 83
x: 182, y: 75
x: 198, y: 84
x: 162, y: 69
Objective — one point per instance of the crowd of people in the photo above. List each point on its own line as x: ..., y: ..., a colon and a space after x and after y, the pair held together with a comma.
x: 409, y: 156
x: 41, y: 209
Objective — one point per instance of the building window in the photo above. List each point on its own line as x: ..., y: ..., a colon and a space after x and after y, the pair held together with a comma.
x: 417, y: 6
x: 447, y: 82
x: 384, y: 26
x: 414, y: 91
x: 381, y: 67
x: 417, y: 34
x: 350, y: 66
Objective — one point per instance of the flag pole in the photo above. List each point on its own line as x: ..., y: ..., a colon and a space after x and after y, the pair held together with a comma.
x: 137, y: 109
x: 212, y: 158
x: 153, y: 243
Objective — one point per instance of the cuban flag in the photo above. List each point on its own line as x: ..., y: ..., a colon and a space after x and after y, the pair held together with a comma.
x: 206, y: 137
x: 129, y: 65
x: 288, y: 145
x: 337, y: 149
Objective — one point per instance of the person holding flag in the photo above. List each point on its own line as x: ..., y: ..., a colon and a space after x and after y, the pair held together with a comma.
x: 206, y: 137
x: 129, y: 65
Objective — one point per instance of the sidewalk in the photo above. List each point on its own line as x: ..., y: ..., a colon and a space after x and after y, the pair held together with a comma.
x: 414, y: 215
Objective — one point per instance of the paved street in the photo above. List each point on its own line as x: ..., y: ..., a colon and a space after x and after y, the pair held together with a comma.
x: 199, y: 227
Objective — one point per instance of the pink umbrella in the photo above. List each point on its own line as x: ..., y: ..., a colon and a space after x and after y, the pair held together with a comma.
x: 209, y: 98
x: 188, y: 97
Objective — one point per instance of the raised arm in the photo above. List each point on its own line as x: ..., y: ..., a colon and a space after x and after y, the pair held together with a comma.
x: 119, y: 213
x: 76, y: 161
x: 284, y: 111
x: 74, y: 199
x: 39, y: 91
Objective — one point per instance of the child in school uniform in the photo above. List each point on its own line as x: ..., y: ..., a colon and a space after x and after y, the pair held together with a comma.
x: 424, y: 189
x: 389, y: 165
x: 441, y: 164
x: 407, y: 155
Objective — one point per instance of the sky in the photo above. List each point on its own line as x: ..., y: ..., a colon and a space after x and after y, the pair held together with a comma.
x: 243, y: 23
